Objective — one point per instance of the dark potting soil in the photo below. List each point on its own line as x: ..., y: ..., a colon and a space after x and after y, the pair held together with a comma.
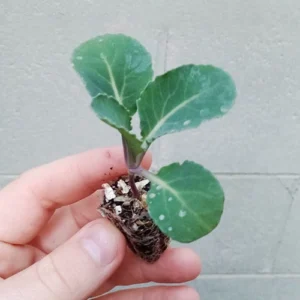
x: 131, y: 217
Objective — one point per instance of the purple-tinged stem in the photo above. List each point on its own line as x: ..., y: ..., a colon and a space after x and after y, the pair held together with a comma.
x: 135, y: 192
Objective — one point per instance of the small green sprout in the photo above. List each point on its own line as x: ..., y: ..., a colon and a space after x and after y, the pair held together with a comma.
x: 185, y: 200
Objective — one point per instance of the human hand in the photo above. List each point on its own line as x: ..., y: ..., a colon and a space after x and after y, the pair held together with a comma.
x: 55, y: 245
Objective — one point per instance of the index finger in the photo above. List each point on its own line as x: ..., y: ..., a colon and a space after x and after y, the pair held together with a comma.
x: 27, y: 204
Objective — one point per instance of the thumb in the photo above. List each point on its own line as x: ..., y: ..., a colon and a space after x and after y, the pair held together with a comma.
x: 73, y: 270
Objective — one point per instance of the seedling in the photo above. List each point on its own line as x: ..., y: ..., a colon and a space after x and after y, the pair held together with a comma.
x: 185, y: 201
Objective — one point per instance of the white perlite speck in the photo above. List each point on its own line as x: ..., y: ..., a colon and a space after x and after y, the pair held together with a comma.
x: 123, y: 186
x: 170, y: 199
x: 187, y: 122
x: 121, y: 199
x: 158, y: 187
x: 170, y: 228
x: 161, y: 217
x: 139, y: 185
x: 118, y: 209
x: 182, y: 213
x: 79, y: 57
x: 144, y: 198
x: 108, y: 191
x: 135, y: 227
x: 152, y: 195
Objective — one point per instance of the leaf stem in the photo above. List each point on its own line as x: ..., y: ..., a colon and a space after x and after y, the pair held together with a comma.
x: 135, y: 192
x: 140, y: 171
x: 130, y: 162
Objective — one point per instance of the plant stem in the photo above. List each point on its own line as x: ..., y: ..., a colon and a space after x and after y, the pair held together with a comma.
x: 133, y: 160
x: 135, y: 191
x: 130, y: 162
x: 140, y: 171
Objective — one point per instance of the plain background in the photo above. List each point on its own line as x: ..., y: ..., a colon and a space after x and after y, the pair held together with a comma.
x: 254, y: 150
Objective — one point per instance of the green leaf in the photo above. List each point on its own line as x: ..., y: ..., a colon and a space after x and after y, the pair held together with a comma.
x: 133, y: 150
x: 116, y: 65
x: 183, y: 98
x: 185, y: 201
x: 111, y: 112
x: 115, y: 115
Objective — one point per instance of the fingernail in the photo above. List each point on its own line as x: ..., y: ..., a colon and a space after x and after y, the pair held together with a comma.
x: 101, y: 244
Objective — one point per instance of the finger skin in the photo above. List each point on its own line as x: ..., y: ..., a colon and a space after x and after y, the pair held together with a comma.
x: 155, y: 293
x: 34, y: 197
x: 71, y: 218
x: 15, y: 258
x: 175, y: 266
x: 72, y: 271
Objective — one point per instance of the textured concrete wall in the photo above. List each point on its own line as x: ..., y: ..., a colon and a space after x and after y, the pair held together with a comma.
x: 254, y: 150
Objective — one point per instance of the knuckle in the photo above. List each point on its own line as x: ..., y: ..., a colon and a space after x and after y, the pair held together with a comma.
x: 27, y: 180
x: 52, y: 279
x: 6, y: 268
x: 5, y: 261
x: 10, y: 263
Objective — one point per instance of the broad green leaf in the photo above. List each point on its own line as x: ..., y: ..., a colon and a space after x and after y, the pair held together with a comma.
x: 115, y: 115
x: 116, y: 65
x: 185, y: 201
x: 111, y: 112
x: 183, y: 98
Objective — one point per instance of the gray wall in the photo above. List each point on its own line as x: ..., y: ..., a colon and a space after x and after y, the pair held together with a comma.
x: 254, y: 150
